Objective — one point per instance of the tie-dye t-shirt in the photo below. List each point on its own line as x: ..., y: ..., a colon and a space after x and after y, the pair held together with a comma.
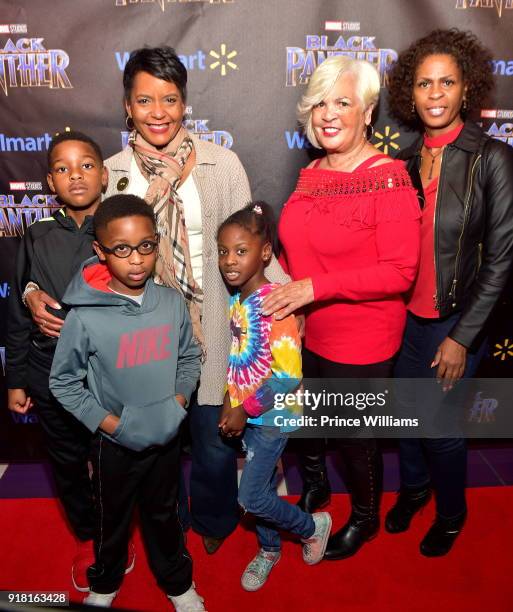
x: 265, y: 356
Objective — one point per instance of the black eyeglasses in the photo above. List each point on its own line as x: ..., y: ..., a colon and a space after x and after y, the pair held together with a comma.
x: 146, y: 247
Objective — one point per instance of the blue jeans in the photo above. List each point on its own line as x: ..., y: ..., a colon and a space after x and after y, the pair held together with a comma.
x: 443, y: 461
x: 213, y: 485
x: 258, y: 489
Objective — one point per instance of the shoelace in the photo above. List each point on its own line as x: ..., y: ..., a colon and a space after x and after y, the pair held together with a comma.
x: 311, y: 539
x: 260, y: 564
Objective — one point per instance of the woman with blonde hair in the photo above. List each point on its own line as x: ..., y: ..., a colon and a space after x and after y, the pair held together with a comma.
x: 350, y: 233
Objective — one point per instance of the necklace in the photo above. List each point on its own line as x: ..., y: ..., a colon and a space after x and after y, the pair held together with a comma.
x: 433, y: 157
x: 440, y: 141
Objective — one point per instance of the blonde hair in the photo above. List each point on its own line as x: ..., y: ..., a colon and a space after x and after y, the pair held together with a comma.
x: 323, y: 80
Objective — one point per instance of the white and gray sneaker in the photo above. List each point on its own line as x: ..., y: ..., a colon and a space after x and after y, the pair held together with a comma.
x: 102, y: 600
x: 258, y: 570
x: 189, y: 601
x: 315, y: 546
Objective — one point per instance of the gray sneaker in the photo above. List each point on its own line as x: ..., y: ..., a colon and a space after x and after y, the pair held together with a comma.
x: 258, y: 570
x: 315, y: 546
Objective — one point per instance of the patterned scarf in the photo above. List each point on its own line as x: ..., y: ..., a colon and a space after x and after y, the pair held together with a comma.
x: 163, y: 170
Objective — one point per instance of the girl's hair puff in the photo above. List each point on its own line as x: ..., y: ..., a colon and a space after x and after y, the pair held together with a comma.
x: 257, y: 218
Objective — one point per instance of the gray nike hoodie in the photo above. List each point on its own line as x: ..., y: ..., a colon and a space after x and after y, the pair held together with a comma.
x: 116, y: 356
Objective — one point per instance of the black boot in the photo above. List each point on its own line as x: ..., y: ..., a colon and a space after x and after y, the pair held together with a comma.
x: 316, y: 486
x: 364, y: 477
x: 443, y: 532
x: 316, y: 493
x: 408, y: 503
x: 361, y: 527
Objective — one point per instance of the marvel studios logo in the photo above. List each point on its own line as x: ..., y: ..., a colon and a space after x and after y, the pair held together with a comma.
x: 342, y: 26
x: 13, y: 28
x: 25, y: 186
x: 496, y: 113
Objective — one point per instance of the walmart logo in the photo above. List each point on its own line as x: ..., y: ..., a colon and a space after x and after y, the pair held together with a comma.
x: 385, y: 141
x: 222, y: 60
x: 504, y: 350
x: 197, y: 60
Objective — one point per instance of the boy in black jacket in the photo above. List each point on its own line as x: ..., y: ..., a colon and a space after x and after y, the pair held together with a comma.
x: 50, y: 253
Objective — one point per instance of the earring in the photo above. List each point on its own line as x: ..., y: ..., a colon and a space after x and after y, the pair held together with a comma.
x: 128, y: 127
x: 372, y: 131
x: 464, y: 105
x: 412, y: 107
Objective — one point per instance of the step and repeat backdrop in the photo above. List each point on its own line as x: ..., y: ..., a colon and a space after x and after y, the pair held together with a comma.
x: 248, y: 61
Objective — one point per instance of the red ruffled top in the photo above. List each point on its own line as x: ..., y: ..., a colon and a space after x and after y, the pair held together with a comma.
x: 357, y: 236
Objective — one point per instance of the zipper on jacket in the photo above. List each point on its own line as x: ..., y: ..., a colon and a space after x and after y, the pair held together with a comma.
x: 436, y: 215
x: 479, y: 255
x: 452, y: 293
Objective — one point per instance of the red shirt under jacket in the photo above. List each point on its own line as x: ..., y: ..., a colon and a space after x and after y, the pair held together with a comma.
x: 357, y: 236
x: 421, y: 298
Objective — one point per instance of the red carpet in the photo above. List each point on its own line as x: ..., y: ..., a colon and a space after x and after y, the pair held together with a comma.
x: 387, y: 575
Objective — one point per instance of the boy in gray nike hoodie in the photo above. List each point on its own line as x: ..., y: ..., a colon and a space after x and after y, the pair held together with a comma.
x: 125, y: 366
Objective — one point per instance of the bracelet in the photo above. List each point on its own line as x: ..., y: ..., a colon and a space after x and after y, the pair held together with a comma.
x: 30, y: 286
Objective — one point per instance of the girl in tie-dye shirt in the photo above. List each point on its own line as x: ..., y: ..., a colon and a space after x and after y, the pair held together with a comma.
x: 265, y: 360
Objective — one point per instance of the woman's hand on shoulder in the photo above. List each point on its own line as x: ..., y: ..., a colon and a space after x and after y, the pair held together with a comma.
x: 284, y: 300
x: 48, y: 324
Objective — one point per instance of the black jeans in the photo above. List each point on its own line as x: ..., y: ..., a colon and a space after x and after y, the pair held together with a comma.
x: 124, y: 479
x: 68, y: 445
x: 363, y: 464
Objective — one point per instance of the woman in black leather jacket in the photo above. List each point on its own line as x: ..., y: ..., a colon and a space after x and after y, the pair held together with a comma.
x: 465, y: 187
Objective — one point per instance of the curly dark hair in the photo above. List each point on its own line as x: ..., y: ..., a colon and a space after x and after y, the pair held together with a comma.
x: 473, y: 59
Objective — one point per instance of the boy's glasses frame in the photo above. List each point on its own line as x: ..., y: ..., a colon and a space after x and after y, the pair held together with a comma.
x: 152, y: 245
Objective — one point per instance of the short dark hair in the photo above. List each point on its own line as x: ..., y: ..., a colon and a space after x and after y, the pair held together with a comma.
x: 120, y: 206
x: 473, y: 59
x: 161, y: 62
x: 73, y: 135
x: 258, y: 218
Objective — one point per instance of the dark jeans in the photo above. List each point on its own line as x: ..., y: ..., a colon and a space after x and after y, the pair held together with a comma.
x: 440, y: 460
x: 213, y: 485
x: 123, y: 480
x: 68, y: 444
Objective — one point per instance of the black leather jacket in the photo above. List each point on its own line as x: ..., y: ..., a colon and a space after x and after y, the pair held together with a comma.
x: 473, y: 228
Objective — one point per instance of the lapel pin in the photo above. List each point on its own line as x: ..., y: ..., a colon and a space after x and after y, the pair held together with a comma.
x: 122, y: 184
